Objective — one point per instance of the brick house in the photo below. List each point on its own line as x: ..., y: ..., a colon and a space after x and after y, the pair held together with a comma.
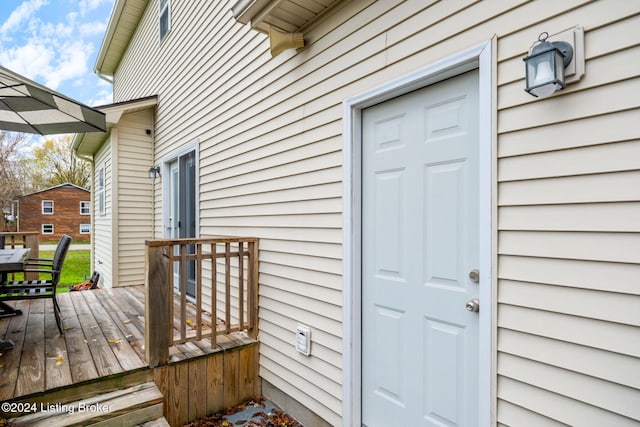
x: 63, y: 209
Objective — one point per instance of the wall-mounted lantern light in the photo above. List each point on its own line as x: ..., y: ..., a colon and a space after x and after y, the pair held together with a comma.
x: 154, y: 172
x: 545, y: 66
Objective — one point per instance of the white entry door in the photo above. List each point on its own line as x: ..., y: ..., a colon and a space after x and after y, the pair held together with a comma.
x: 419, y: 245
x: 182, y: 210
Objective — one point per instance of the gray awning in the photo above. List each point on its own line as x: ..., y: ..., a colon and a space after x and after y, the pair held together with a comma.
x: 26, y: 106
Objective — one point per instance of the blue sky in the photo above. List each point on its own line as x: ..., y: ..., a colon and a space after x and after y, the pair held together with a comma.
x: 55, y: 43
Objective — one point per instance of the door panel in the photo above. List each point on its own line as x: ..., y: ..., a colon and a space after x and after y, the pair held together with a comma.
x: 420, y: 241
x: 182, y: 220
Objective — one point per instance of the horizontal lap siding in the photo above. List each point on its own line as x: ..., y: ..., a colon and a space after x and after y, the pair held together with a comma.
x: 135, y: 196
x: 103, y: 226
x: 270, y: 138
x: 568, y: 243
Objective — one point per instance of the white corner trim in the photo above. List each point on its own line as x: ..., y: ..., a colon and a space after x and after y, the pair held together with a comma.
x: 476, y: 57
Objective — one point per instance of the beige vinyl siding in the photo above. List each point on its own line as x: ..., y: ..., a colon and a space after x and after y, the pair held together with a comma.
x: 135, y: 196
x: 103, y: 232
x: 270, y: 162
x: 569, y: 199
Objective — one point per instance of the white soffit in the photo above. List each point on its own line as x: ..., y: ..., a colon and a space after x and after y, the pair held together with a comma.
x: 289, y: 16
x: 87, y: 144
x: 124, y: 19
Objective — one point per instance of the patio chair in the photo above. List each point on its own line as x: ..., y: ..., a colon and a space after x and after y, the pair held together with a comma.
x: 33, y: 289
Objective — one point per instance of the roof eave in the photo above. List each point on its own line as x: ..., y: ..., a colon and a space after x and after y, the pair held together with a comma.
x: 111, y: 53
x: 87, y: 144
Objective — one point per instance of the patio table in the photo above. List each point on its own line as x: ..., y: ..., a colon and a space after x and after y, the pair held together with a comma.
x: 11, y: 261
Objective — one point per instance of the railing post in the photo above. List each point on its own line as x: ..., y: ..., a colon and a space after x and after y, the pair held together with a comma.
x: 32, y: 241
x: 159, y: 296
x: 252, y: 281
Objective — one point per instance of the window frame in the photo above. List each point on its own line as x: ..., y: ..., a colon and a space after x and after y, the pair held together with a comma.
x: 164, y: 7
x: 43, y: 209
x: 100, y: 190
x: 85, y: 205
x: 42, y: 229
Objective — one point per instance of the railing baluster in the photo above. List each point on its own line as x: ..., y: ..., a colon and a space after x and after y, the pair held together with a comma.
x: 169, y: 253
x: 214, y: 294
x: 253, y: 289
x: 183, y: 293
x: 166, y: 257
x: 199, y: 291
x: 227, y: 286
x: 240, y: 285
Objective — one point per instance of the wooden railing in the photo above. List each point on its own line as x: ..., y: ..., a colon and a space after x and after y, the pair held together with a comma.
x: 215, y: 281
x: 24, y: 239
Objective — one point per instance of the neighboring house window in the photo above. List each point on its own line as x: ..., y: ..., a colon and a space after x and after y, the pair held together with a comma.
x: 100, y: 192
x: 47, y: 228
x: 165, y: 18
x: 47, y: 207
x: 85, y: 208
x: 85, y: 228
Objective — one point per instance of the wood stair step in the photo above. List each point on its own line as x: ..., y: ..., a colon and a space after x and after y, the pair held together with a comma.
x: 128, y: 407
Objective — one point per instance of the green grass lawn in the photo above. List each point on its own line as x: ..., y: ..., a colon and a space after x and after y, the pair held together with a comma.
x: 77, y: 264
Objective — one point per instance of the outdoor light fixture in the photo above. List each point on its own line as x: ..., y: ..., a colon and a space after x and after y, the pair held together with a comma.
x: 154, y: 172
x: 545, y: 66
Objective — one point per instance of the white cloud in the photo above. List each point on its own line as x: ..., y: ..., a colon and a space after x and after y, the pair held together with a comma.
x: 28, y: 59
x: 22, y: 14
x: 71, y: 63
x: 54, y: 43
x: 87, y: 6
x: 103, y: 97
x: 93, y: 28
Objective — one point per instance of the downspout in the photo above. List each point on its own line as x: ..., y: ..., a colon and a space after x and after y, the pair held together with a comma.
x: 90, y: 159
x: 153, y: 184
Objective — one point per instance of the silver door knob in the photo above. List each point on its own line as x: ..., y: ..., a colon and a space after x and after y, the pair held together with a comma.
x: 473, y: 305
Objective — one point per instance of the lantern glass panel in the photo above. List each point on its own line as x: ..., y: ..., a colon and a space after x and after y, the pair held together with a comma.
x: 545, y: 73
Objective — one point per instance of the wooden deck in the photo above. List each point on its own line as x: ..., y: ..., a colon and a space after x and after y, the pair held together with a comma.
x: 104, y: 336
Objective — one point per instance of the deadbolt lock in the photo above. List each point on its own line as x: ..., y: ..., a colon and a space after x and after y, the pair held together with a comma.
x: 474, y: 275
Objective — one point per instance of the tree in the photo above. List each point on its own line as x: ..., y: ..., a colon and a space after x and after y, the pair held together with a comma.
x: 56, y: 164
x: 14, y: 179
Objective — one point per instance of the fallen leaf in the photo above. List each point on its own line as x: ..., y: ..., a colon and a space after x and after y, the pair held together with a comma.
x: 189, y: 321
x: 126, y: 321
x: 59, y: 359
x: 114, y: 341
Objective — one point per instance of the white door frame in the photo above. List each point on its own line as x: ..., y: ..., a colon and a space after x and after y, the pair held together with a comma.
x: 478, y: 57
x: 166, y: 190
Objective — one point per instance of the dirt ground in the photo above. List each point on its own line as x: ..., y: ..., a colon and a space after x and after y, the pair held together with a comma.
x: 253, y: 413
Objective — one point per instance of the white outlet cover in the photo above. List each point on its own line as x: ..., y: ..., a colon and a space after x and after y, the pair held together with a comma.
x: 303, y: 339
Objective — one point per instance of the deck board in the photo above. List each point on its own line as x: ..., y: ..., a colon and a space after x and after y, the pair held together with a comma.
x: 10, y: 359
x: 78, y: 351
x: 104, y: 335
x: 57, y: 369
x: 31, y: 373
